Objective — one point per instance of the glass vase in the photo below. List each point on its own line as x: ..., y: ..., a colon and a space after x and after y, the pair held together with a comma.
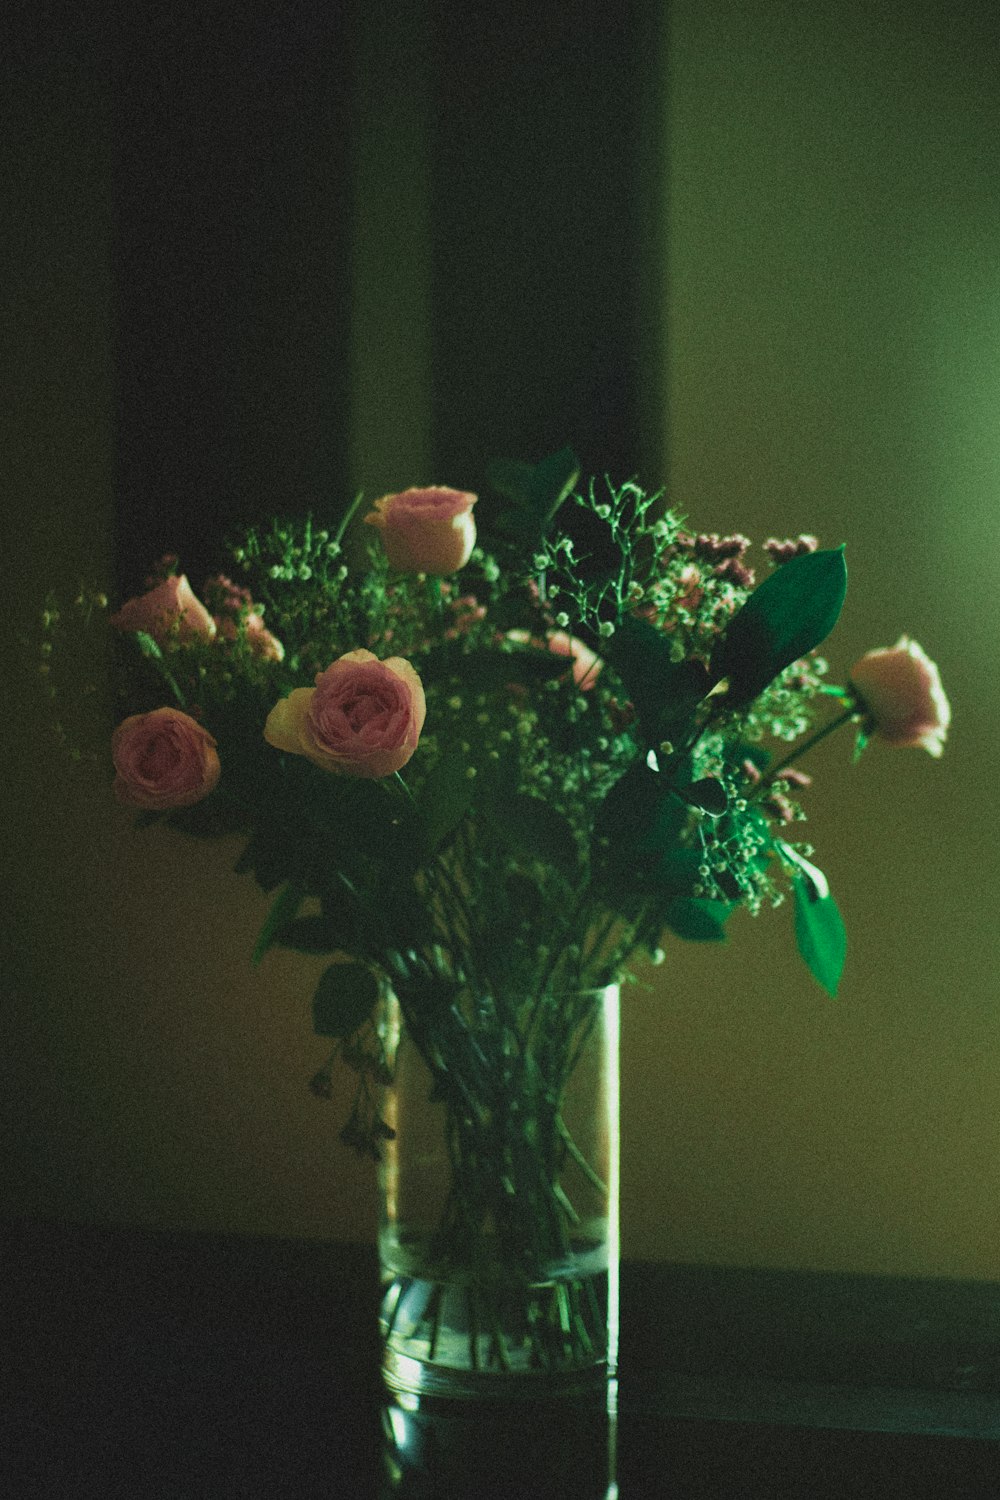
x: 499, y: 1197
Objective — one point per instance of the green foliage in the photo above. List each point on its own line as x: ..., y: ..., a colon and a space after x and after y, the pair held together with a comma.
x: 345, y: 997
x: 819, y: 933
x: 664, y: 691
x: 697, y: 920
x: 547, y: 828
x: 444, y: 797
x: 708, y: 793
x: 534, y: 830
x: 283, y: 909
x: 785, y: 618
x: 534, y: 493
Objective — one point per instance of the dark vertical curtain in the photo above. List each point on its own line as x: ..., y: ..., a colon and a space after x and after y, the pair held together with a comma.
x: 232, y: 258
x: 544, y: 178
x: 231, y: 270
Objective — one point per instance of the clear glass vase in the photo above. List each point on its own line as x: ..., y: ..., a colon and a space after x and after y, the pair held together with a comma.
x: 499, y: 1196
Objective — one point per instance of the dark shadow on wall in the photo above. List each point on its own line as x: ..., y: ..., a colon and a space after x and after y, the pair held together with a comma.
x: 546, y: 185
x: 231, y: 264
x: 232, y: 261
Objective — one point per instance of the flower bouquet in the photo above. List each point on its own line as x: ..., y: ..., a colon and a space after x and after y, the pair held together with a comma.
x: 485, y: 771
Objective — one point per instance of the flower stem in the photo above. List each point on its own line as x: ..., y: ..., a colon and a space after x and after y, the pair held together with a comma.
x: 347, y: 518
x: 853, y: 712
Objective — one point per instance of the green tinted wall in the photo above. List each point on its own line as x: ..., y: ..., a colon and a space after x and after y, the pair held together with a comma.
x: 833, y: 341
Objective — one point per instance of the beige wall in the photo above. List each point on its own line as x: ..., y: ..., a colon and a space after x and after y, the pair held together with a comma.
x: 834, y: 365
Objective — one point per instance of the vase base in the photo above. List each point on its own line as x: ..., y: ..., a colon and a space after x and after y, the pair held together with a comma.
x: 403, y: 1375
x: 546, y: 1341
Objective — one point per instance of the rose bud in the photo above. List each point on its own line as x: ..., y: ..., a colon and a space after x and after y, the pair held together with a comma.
x: 170, y: 611
x: 900, y: 690
x: 163, y: 759
x: 260, y: 640
x: 428, y: 530
x: 586, y: 663
x: 363, y: 717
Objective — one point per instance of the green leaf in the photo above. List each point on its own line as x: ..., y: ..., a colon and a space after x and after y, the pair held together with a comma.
x: 344, y: 999
x: 284, y: 907
x: 642, y: 814
x: 791, y: 612
x: 148, y: 646
x: 819, y: 933
x: 709, y: 794
x: 663, y: 692
x: 698, y: 920
x: 638, y: 853
x: 535, y: 491
x: 312, y: 934
x: 532, y: 827
x: 444, y: 798
x: 814, y: 876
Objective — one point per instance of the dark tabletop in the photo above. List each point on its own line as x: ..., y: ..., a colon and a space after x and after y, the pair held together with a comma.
x: 146, y: 1364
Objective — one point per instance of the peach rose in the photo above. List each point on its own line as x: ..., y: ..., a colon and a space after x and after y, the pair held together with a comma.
x: 428, y: 530
x: 163, y: 759
x: 171, y: 610
x: 586, y: 663
x: 363, y: 717
x: 900, y: 687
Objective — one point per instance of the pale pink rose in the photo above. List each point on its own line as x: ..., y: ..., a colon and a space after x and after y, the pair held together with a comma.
x: 260, y: 640
x: 428, y: 530
x: 363, y: 717
x: 163, y: 759
x: 170, y: 611
x: 900, y: 687
x: 586, y: 663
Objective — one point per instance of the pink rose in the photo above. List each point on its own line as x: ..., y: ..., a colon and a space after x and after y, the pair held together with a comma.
x: 900, y: 687
x: 169, y: 611
x: 363, y: 717
x: 586, y: 663
x: 163, y: 759
x: 426, y: 530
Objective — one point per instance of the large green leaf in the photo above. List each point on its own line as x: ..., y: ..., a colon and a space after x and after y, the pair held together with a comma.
x: 708, y: 793
x: 791, y: 612
x: 698, y: 920
x: 535, y: 491
x: 639, y: 855
x: 819, y: 932
x: 283, y: 909
x: 663, y: 692
x: 444, y: 797
x: 317, y: 934
x: 533, y: 828
x: 313, y: 825
x: 344, y: 999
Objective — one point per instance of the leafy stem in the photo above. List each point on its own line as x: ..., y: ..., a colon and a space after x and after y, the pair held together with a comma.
x: 851, y: 713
